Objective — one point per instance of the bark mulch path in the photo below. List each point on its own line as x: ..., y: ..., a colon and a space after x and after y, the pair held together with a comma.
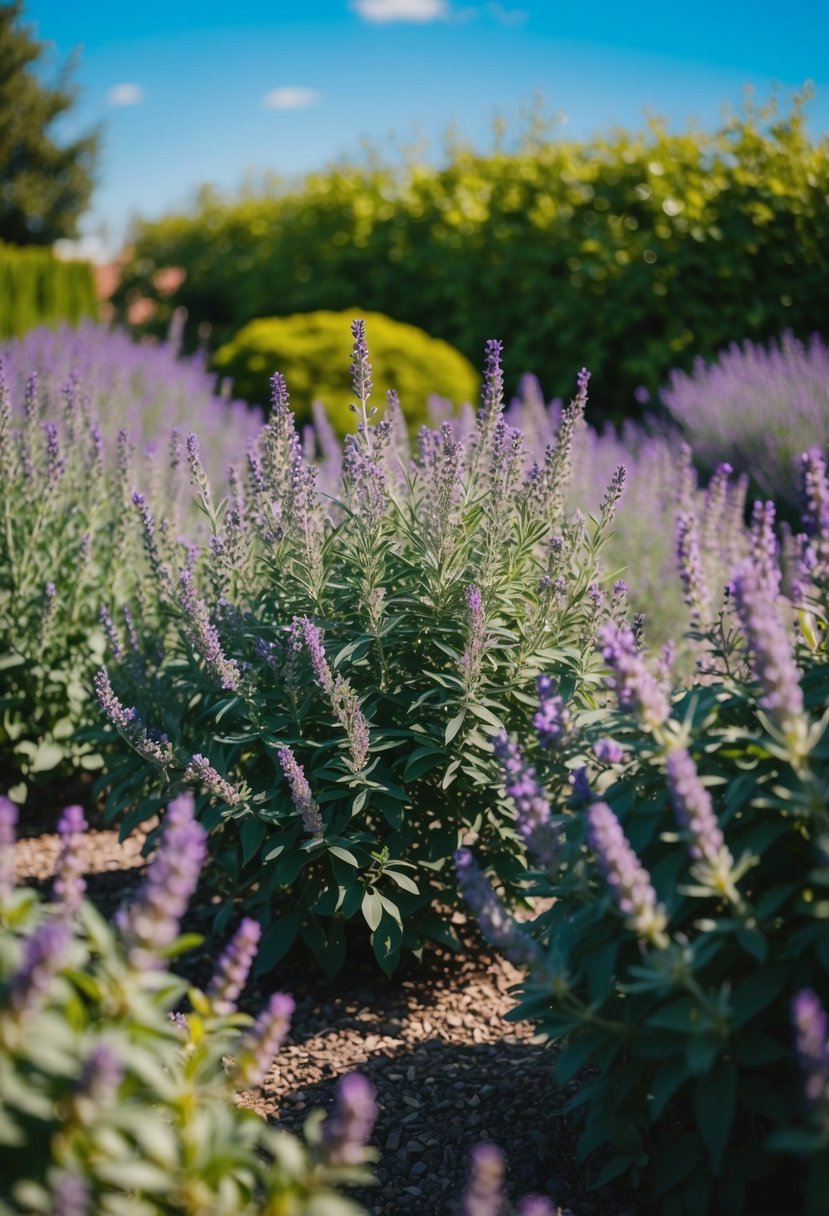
x: 449, y: 1071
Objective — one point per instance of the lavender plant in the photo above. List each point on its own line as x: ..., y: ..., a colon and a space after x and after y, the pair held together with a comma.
x: 756, y: 407
x: 75, y: 519
x: 113, y: 1101
x: 689, y: 883
x: 344, y: 675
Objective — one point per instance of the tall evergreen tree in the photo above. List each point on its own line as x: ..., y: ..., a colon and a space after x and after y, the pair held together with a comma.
x: 45, y: 185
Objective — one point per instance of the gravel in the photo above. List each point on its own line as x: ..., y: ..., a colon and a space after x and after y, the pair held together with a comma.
x: 449, y: 1071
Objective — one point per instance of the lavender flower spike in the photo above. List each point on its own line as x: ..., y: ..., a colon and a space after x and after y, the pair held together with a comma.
x: 552, y: 721
x: 101, y: 1074
x: 234, y: 966
x: 476, y: 638
x: 8, y: 822
x: 301, y: 794
x: 636, y: 689
x: 45, y: 951
x: 536, y: 1205
x: 150, y: 924
x: 531, y: 803
x: 346, y: 1131
x: 811, y: 1028
x: 773, y: 663
x: 485, y: 1193
x: 201, y: 770
x: 69, y: 887
x: 695, y: 812
x: 122, y: 717
x: 360, y: 365
x: 70, y: 1195
x: 497, y: 926
x: 628, y: 880
x: 312, y: 637
x: 263, y: 1042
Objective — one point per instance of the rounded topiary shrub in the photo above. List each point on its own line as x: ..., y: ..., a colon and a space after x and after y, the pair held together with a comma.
x: 311, y: 351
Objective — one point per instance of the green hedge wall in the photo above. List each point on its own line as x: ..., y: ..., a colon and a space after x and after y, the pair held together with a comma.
x: 630, y: 253
x: 35, y: 287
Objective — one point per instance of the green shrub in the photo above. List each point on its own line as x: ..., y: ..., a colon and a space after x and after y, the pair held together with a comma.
x: 329, y: 671
x: 36, y: 287
x: 631, y: 252
x: 114, y: 1102
x: 686, y: 953
x: 311, y: 351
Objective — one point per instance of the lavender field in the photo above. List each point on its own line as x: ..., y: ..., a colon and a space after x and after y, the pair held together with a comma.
x: 519, y: 706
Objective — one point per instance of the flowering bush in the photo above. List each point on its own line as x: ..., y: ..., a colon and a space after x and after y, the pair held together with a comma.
x: 74, y: 404
x: 334, y: 668
x: 757, y: 408
x: 113, y: 1101
x: 685, y: 841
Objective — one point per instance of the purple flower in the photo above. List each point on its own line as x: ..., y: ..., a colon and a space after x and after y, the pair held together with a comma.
x: 496, y: 924
x: 8, y: 823
x: 301, y: 794
x: 492, y: 395
x: 70, y: 1195
x: 262, y: 1043
x: 815, y: 493
x: 608, y: 751
x: 121, y: 717
x: 694, y: 810
x: 476, y: 638
x: 346, y: 1131
x: 811, y: 1030
x: 636, y: 689
x: 773, y: 663
x: 203, y: 636
x: 101, y: 1074
x: 69, y: 885
x: 201, y: 770
x: 360, y: 365
x: 764, y: 547
x: 532, y: 806
x: 367, y: 483
x: 552, y: 721
x: 198, y: 477
x: 312, y: 637
x: 689, y: 563
x: 151, y: 923
x: 234, y: 966
x: 44, y: 954
x: 352, y: 719
x: 536, y: 1205
x: 484, y: 1194
x: 629, y: 882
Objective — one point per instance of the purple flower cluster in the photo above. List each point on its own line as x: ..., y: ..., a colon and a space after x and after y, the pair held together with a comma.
x: 8, y: 823
x: 629, y: 882
x: 44, y: 955
x: 532, y: 806
x: 158, y: 750
x: 151, y: 922
x: 689, y: 564
x: 346, y: 1131
x: 304, y: 629
x: 70, y: 1195
x: 773, y: 662
x: 484, y: 1194
x: 353, y: 721
x: 476, y: 638
x: 694, y: 810
x: 811, y: 1031
x: 261, y: 1045
x: 360, y: 364
x: 608, y: 751
x: 203, y: 636
x: 552, y: 720
x: 636, y: 689
x: 200, y: 770
x: 69, y: 885
x: 764, y: 547
x: 122, y: 717
x: 497, y: 926
x: 301, y: 794
x: 101, y: 1074
x: 234, y: 966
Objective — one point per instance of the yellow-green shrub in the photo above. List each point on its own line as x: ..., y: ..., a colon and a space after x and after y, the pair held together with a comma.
x: 311, y: 350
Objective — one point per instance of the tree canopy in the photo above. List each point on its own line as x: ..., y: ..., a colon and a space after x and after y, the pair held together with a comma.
x: 45, y: 184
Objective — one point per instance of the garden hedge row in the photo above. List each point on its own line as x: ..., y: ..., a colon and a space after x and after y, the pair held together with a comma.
x: 36, y: 287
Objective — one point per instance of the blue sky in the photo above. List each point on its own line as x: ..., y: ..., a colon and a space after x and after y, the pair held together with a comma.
x: 193, y: 92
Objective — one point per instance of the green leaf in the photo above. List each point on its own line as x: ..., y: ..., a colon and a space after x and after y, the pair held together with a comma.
x: 667, y: 1080
x: 252, y: 834
x: 277, y: 941
x: 372, y: 909
x: 715, y: 1099
x: 421, y: 761
x: 402, y: 881
x: 344, y: 855
x: 453, y: 726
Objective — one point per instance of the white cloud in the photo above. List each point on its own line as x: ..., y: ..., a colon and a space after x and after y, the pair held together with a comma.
x: 290, y: 97
x: 382, y: 12
x: 125, y: 95
x: 507, y: 16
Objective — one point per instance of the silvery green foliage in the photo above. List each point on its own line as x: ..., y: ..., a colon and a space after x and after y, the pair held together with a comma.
x: 343, y: 659
x: 115, y: 1103
x: 691, y: 913
x: 756, y: 407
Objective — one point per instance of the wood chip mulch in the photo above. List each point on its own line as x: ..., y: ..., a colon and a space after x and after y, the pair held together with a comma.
x: 448, y: 1070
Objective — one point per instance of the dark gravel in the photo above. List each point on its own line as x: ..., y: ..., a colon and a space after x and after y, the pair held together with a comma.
x: 449, y: 1071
